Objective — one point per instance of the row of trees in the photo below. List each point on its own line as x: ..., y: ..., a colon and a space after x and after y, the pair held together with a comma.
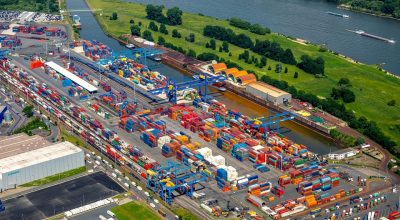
x: 155, y: 12
x: 343, y: 91
x: 363, y: 125
x: 274, y: 51
x: 314, y: 66
x: 266, y: 48
x: 245, y: 25
x: 391, y: 7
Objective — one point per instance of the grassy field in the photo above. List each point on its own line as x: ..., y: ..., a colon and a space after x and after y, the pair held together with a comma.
x: 33, y: 124
x: 72, y: 138
x: 55, y: 177
x: 29, y: 5
x: 373, y: 88
x: 135, y: 211
x: 185, y: 214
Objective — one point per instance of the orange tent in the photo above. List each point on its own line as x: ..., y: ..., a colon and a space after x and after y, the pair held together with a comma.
x: 233, y: 76
x: 36, y: 64
x: 218, y: 67
x: 246, y: 79
x: 229, y: 71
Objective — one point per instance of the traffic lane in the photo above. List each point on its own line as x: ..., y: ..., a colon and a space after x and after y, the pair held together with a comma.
x: 95, y: 213
x: 383, y: 207
x: 138, y: 192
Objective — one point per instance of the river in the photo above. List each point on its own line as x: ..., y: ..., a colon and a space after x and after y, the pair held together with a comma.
x: 297, y: 133
x: 307, y: 19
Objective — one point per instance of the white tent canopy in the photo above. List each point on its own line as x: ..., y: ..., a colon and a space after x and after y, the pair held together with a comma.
x: 89, y: 87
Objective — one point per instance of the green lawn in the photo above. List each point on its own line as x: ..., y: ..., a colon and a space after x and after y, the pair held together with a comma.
x: 30, y: 5
x: 33, y: 124
x: 55, y: 177
x: 373, y: 88
x: 135, y: 211
x: 72, y: 138
x: 185, y: 214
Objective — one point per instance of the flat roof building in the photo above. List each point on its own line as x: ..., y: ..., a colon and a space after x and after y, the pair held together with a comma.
x: 342, y: 154
x: 24, y: 159
x: 74, y: 78
x: 268, y: 93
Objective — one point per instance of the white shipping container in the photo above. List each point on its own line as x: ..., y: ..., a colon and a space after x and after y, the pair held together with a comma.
x: 207, y: 208
x: 110, y: 213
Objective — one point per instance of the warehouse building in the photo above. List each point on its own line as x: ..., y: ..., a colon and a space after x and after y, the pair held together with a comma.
x: 268, y: 93
x: 24, y: 159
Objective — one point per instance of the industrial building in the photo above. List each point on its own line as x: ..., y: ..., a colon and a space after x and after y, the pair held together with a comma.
x: 268, y: 93
x: 74, y: 78
x: 342, y: 154
x: 3, y: 110
x: 24, y: 159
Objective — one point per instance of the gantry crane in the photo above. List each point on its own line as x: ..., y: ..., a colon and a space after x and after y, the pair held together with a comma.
x: 173, y: 178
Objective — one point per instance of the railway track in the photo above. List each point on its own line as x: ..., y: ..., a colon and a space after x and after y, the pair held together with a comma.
x: 76, y: 126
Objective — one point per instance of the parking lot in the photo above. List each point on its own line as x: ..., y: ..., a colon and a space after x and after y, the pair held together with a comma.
x: 28, y: 16
x: 60, y: 198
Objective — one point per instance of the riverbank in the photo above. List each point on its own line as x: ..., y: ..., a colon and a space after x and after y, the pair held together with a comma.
x: 366, y: 11
x: 366, y: 80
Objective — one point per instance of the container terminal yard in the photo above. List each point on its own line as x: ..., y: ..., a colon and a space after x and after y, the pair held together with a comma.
x: 180, y: 143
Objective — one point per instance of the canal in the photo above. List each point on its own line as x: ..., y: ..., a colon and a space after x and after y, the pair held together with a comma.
x: 314, y: 141
x: 307, y: 19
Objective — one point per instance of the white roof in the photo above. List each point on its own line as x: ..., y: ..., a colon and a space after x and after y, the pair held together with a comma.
x: 37, y: 156
x: 72, y: 76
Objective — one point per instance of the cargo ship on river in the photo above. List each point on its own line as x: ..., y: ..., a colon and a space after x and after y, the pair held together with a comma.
x: 363, y: 33
x: 338, y: 15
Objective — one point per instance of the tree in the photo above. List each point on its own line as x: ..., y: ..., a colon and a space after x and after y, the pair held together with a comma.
x: 207, y: 57
x: 313, y: 66
x: 174, y: 16
x: 131, y: 21
x: 230, y: 54
x: 190, y: 38
x: 114, y: 16
x: 213, y: 44
x: 288, y: 57
x: 239, y: 23
x: 296, y: 75
x: 225, y: 46
x: 244, y: 56
x: 176, y: 34
x: 147, y: 35
x: 153, y: 26
x: 269, y: 68
x: 348, y: 95
x: 258, y: 29
x: 161, y: 40
x: 263, y: 61
x: 336, y: 94
x: 163, y: 29
x: 278, y: 68
x: 140, y: 23
x: 154, y: 12
x: 220, y: 49
x: 191, y: 53
x: 344, y: 82
x: 28, y: 111
x: 135, y: 30
x: 391, y: 102
x: 207, y: 45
